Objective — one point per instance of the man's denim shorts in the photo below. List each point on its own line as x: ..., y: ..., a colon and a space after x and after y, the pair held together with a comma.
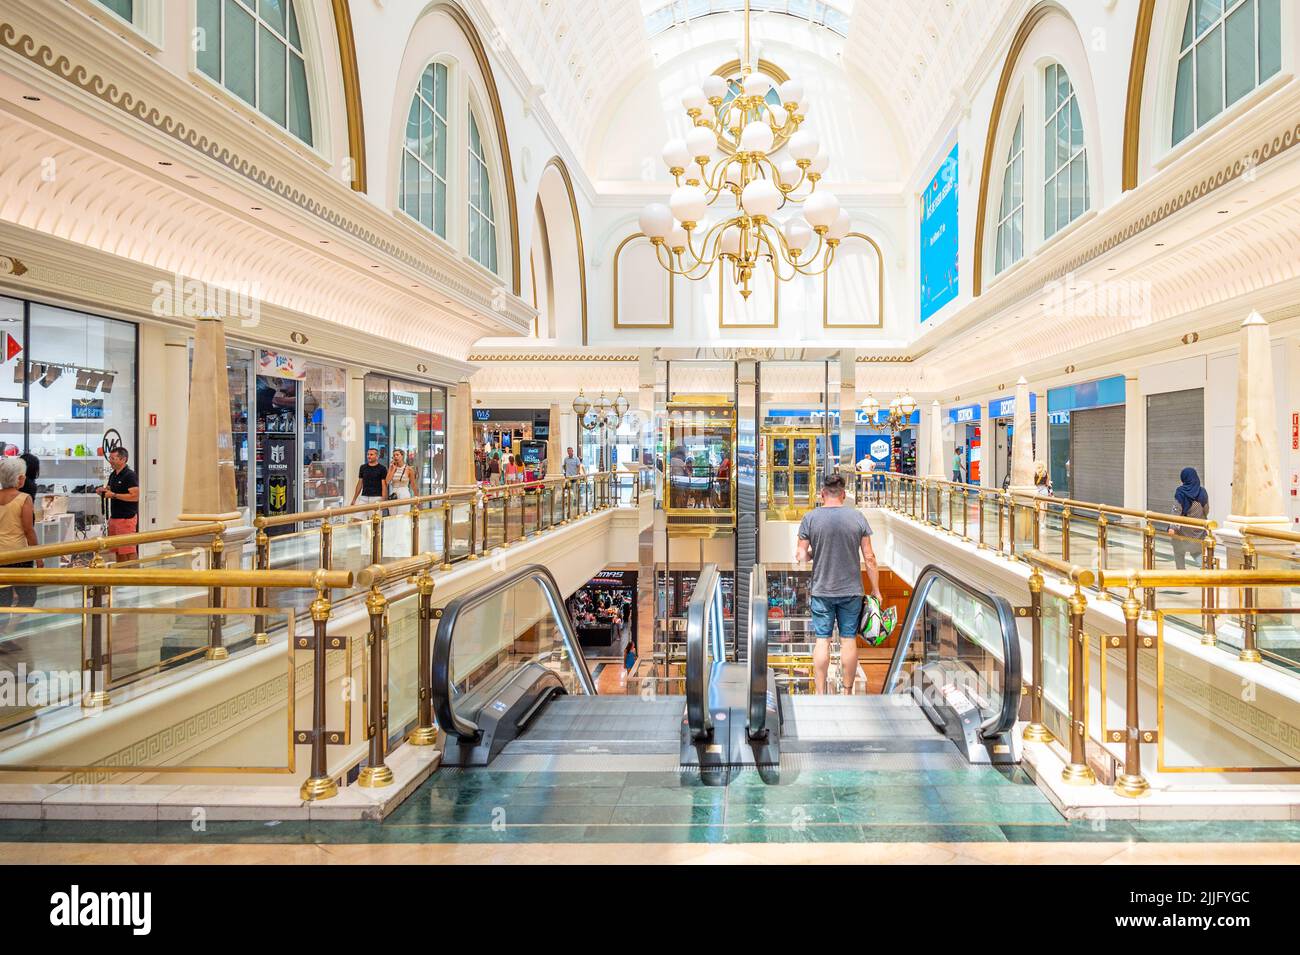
x: 828, y: 611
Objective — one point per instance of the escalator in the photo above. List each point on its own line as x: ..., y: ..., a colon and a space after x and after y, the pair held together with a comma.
x: 951, y: 693
x: 511, y: 687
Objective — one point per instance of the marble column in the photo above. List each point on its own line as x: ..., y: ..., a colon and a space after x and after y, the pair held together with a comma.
x: 848, y: 400
x: 173, y: 429
x: 1022, y: 444
x: 934, y: 446
x: 209, y: 492
x: 988, y: 447
x: 460, y: 438
x: 1257, y: 492
x: 554, y: 452
x: 1135, y: 446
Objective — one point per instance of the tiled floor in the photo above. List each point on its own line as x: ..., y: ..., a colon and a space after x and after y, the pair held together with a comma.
x: 847, y: 807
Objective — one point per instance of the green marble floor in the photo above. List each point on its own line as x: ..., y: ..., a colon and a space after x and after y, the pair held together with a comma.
x: 843, y: 806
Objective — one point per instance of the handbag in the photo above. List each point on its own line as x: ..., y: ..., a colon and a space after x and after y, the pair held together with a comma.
x: 876, y: 625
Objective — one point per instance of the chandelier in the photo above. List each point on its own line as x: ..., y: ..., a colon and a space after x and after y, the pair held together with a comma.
x: 900, y: 410
x: 736, y: 131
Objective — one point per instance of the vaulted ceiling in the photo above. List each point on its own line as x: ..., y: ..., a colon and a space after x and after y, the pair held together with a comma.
x: 912, y: 56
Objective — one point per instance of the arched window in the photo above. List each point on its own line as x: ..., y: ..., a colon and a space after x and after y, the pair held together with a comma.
x: 482, y: 221
x: 1011, y: 213
x: 254, y: 49
x: 1228, y: 48
x: 1065, y: 160
x: 423, y: 194
x: 123, y: 8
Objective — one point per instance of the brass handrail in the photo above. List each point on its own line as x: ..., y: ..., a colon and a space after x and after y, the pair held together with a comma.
x: 376, y: 575
x: 1271, y: 533
x: 1075, y: 574
x: 238, y: 579
x: 1156, y: 579
x: 97, y: 545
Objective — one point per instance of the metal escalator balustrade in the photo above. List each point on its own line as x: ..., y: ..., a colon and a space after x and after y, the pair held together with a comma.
x: 501, y: 653
x: 958, y: 655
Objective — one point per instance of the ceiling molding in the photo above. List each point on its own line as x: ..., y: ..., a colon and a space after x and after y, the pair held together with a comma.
x: 1137, y: 72
x: 351, y: 93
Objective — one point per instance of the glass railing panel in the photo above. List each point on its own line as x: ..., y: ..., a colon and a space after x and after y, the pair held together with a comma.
x: 1207, y: 724
x: 1022, y: 519
x: 1055, y: 678
x: 431, y: 528
x: 299, y: 551
x: 1277, y: 624
x: 350, y: 544
x: 1051, y: 533
x: 396, y: 530
x: 403, y: 665
x: 460, y: 528
x: 41, y: 648
x: 1083, y: 537
x: 494, y: 517
x: 1178, y: 548
x: 1124, y: 537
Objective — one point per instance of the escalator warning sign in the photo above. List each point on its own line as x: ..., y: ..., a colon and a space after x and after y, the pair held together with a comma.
x: 499, y: 706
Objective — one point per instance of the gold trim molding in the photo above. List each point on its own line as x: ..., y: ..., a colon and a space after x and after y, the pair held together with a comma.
x: 672, y: 292
x: 520, y: 356
x: 11, y: 266
x: 563, y: 170
x: 729, y: 70
x: 351, y: 93
x: 1027, y: 26
x: 883, y: 359
x: 467, y: 27
x: 880, y: 289
x: 1133, y: 105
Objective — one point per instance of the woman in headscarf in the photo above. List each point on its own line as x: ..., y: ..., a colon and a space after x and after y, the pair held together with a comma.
x: 1191, y: 500
x: 1042, y: 481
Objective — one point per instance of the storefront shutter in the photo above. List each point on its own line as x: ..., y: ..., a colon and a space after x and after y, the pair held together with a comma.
x: 1175, y: 440
x: 1097, y: 455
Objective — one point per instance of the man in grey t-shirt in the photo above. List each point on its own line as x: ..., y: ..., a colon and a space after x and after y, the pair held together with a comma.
x: 836, y: 538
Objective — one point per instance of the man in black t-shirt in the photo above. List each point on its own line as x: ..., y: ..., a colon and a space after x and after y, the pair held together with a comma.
x: 123, y: 495
x: 372, y: 480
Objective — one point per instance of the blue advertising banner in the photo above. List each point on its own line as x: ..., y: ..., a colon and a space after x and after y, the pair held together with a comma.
x: 1087, y: 394
x: 966, y: 413
x: 874, y: 446
x: 939, y: 239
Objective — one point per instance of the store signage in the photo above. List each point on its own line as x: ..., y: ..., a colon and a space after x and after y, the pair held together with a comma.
x: 879, y: 450
x: 279, y: 365
x: 403, y: 400
x: 964, y: 413
x: 12, y: 347
x: 1058, y: 417
x: 87, y: 408
x: 1103, y: 392
x: 939, y: 238
x: 482, y: 414
x: 1006, y: 407
x: 1295, y: 432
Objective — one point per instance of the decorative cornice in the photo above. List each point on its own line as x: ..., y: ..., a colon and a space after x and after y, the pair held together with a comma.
x: 883, y: 359
x: 518, y: 356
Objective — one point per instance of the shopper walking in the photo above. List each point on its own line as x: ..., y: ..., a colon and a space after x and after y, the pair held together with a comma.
x: 956, y: 466
x: 494, y: 468
x: 122, y: 491
x: 1042, y: 480
x: 372, y: 480
x: 17, y: 530
x: 838, y: 541
x: 572, y: 465
x: 1190, y: 500
x: 399, y: 477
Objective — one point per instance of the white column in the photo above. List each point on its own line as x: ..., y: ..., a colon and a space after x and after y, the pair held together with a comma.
x: 354, y: 435
x: 1135, y: 446
x: 460, y: 437
x: 848, y: 416
x: 1042, y: 444
x: 1022, y: 450
x: 1257, y: 492
x: 173, y: 424
x: 987, y: 446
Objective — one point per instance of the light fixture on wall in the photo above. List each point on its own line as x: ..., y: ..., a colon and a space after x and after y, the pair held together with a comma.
x: 736, y: 118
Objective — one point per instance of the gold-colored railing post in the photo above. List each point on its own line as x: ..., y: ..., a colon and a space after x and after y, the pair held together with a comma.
x: 1011, y: 523
x: 1001, y: 499
x: 1078, y: 773
x: 377, y: 536
x: 473, y: 526
x: 979, y: 503
x: 1209, y: 595
x: 1039, y: 514
x: 1149, y: 563
x: 952, y: 502
x: 425, y: 733
x: 415, y: 530
x: 326, y: 545
x: 1036, y: 732
x: 965, y: 514
x: 261, y: 596
x: 376, y: 774
x: 1102, y: 561
x: 564, y: 500
x: 1066, y: 513
x: 319, y: 785
x: 216, y: 561
x: 539, y: 499
x: 446, y: 534
x: 97, y: 692
x: 1130, y: 782
x: 1249, y: 601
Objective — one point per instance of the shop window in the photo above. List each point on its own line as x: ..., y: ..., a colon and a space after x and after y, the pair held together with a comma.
x: 324, y: 407
x: 1065, y: 160
x: 80, y: 378
x: 123, y: 8
x: 1011, y: 215
x: 482, y: 222
x: 239, y: 376
x: 1228, y: 48
x: 423, y: 187
x: 410, y: 417
x: 254, y: 49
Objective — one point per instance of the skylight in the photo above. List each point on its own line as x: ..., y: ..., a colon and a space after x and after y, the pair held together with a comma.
x: 661, y: 16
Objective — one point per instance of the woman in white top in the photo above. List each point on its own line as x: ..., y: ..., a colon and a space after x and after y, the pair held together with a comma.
x: 399, y: 478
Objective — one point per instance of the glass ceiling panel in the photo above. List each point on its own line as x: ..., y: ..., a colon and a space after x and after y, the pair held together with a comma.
x: 663, y: 15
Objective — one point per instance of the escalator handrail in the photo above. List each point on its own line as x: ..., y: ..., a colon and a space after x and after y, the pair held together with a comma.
x: 442, y: 691
x: 757, y: 650
x: 701, y: 621
x: 1005, y: 718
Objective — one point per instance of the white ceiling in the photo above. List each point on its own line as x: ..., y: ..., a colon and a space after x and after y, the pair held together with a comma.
x: 912, y: 56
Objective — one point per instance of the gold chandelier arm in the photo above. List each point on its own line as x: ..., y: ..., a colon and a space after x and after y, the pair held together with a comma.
x: 778, y: 252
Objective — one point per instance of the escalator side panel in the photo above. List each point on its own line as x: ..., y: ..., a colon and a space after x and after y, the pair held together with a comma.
x: 505, y: 716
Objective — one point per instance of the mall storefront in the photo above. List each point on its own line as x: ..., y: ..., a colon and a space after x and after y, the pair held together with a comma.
x: 1085, y: 424
x: 411, y: 417
x: 1002, y: 417
x: 521, y: 431
x: 67, y: 388
x: 967, y: 444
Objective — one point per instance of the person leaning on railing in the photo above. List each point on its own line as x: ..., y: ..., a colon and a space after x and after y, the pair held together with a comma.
x: 17, y: 528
